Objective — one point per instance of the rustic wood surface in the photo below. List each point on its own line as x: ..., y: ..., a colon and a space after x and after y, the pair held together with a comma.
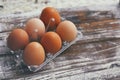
x: 95, y: 57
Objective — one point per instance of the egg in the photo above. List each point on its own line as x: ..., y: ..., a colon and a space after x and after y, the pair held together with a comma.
x: 17, y: 39
x: 35, y: 29
x: 51, y: 42
x: 34, y: 54
x: 67, y: 30
x: 51, y: 17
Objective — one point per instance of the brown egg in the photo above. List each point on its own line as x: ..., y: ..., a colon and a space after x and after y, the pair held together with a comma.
x: 34, y: 54
x: 50, y: 16
x: 51, y: 42
x: 67, y: 31
x: 35, y: 29
x: 17, y: 39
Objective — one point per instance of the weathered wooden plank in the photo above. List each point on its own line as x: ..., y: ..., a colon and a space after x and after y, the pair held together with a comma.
x: 98, y: 53
x: 88, y: 16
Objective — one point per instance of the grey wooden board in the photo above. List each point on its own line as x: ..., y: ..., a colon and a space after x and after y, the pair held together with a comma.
x: 96, y: 57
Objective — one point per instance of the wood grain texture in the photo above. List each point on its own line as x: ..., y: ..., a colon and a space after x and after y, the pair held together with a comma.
x: 95, y: 57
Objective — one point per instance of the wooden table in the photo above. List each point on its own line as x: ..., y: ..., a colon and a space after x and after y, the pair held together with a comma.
x: 95, y: 57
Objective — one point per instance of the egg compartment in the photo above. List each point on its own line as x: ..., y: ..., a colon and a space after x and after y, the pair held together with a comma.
x: 49, y: 57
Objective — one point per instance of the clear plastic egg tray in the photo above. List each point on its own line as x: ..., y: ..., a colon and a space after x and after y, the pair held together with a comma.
x: 49, y: 57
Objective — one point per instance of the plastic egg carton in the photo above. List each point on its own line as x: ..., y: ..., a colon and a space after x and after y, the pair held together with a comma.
x: 49, y: 56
